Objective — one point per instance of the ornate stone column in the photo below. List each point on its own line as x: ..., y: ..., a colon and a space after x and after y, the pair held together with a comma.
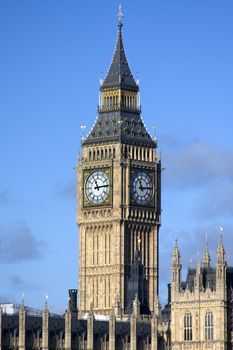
x: 45, y: 328
x: 68, y: 321
x: 133, y: 332
x: 22, y: 331
x: 90, y: 330
x: 112, y: 331
x: 154, y: 332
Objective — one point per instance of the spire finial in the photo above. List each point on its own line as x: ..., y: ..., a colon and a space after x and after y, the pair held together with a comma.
x: 206, y: 256
x: 221, y: 234
x: 120, y: 16
x: 206, y: 240
x: 23, y: 297
x: 198, y: 258
x: 46, y: 301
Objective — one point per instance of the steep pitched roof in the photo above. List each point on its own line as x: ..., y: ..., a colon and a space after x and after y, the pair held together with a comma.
x: 119, y: 73
x: 119, y: 126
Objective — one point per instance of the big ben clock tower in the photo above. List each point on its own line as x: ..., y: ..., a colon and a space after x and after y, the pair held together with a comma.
x: 118, y: 195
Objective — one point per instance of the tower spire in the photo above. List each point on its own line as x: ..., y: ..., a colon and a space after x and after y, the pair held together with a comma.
x: 221, y: 250
x: 119, y: 74
x: 206, y: 256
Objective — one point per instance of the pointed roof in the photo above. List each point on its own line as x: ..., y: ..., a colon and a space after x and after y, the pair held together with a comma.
x: 206, y: 256
x: 176, y: 253
x: 123, y: 124
x: 119, y: 73
x: 220, y: 250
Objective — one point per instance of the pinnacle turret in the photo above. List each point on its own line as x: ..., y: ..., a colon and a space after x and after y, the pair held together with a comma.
x: 206, y: 257
x: 220, y: 250
x: 176, y: 254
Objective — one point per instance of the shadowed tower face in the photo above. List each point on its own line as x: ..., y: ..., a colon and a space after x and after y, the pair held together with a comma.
x: 118, y: 195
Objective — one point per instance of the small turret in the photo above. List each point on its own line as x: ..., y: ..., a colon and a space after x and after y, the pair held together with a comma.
x: 221, y: 251
x: 206, y: 257
x: 198, y: 284
x: 221, y: 268
x: 175, y: 270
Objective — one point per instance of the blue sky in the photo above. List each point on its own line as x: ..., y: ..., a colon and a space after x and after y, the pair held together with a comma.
x: 53, y: 53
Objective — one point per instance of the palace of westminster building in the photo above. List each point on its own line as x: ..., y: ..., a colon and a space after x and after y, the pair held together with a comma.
x: 119, y: 210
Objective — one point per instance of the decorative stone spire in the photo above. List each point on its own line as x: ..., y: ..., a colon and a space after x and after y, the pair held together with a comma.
x: 221, y: 250
x: 206, y: 257
x: 175, y: 272
x: 221, y: 268
x: 176, y: 254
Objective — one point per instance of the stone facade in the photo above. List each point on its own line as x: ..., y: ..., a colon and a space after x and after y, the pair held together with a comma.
x: 201, y: 307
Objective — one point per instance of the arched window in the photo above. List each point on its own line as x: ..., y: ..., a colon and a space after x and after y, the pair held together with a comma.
x: 209, y: 326
x: 188, y: 333
x: 105, y: 101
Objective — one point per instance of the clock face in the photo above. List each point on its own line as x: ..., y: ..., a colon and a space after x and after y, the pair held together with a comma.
x: 141, y: 188
x: 97, y: 187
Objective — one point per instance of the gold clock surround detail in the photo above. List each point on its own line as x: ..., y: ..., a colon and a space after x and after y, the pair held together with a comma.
x: 108, y: 201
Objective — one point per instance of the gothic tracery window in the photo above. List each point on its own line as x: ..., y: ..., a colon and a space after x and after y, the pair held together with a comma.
x: 188, y: 334
x: 209, y: 326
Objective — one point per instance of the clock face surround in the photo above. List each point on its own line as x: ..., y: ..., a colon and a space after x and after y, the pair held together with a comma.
x: 97, y: 187
x: 141, y: 187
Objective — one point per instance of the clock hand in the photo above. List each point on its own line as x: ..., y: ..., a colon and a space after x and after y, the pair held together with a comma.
x: 146, y: 188
x: 97, y: 187
x: 140, y: 185
x: 101, y: 186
